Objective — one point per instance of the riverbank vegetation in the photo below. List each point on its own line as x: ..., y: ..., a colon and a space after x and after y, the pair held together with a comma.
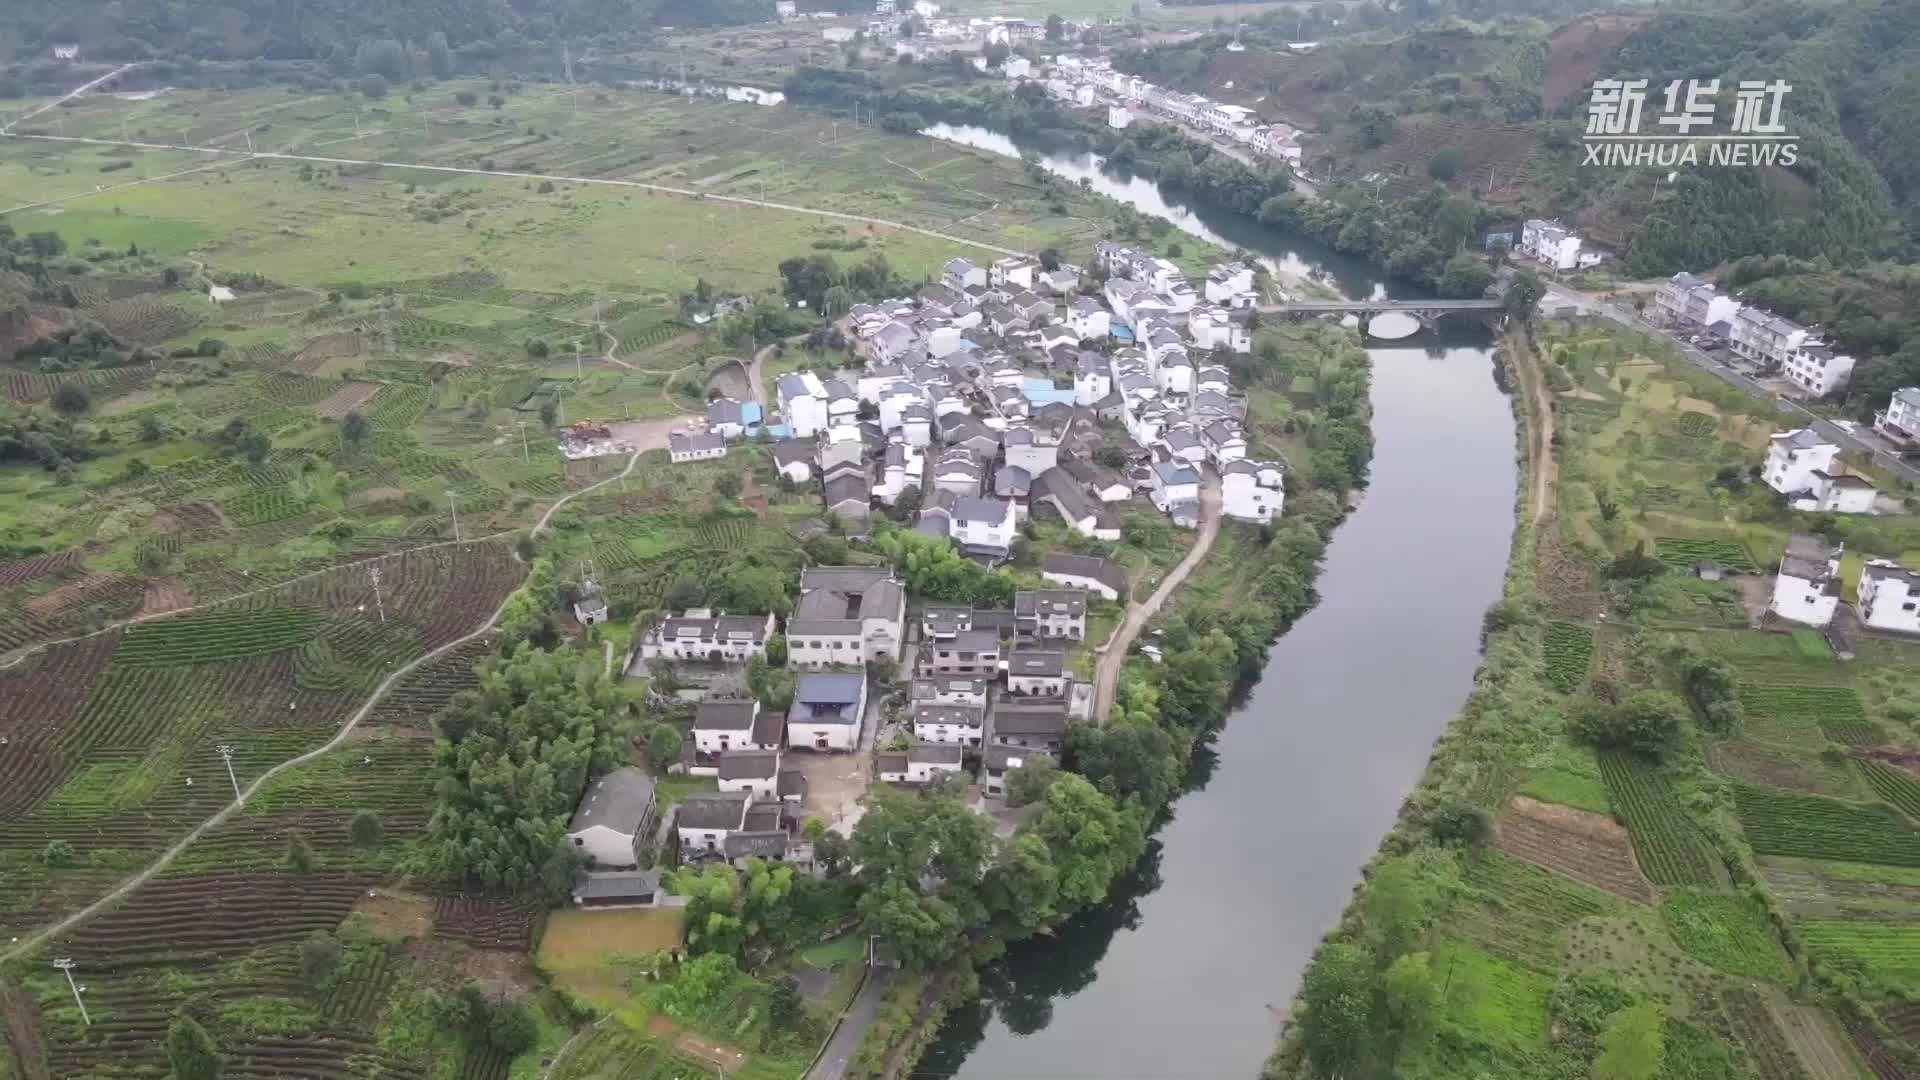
x: 1628, y: 863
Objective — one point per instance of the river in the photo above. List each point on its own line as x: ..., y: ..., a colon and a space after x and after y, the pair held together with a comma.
x: 1186, y: 970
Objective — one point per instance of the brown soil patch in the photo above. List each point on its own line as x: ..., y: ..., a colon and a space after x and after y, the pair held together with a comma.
x: 1581, y: 393
x: 1586, y: 847
x: 349, y: 397
x: 376, y: 496
x: 1577, y: 51
x: 1566, y: 588
x: 75, y: 593
x: 1814, y: 1038
x: 327, y: 347
x: 28, y: 1042
x: 721, y: 1057
x: 165, y: 594
x: 395, y: 915
x: 1803, y: 891
x: 501, y: 974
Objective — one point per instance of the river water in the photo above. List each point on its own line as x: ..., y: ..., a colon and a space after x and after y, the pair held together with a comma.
x: 1186, y: 970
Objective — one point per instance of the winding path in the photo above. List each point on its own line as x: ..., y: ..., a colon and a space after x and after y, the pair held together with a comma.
x: 601, y: 181
x: 119, y: 892
x: 1114, y: 655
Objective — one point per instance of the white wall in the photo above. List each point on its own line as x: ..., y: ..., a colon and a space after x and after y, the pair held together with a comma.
x: 710, y: 839
x: 922, y: 772
x: 1802, y: 601
x: 1788, y: 472
x: 608, y: 847
x: 762, y: 788
x: 841, y: 737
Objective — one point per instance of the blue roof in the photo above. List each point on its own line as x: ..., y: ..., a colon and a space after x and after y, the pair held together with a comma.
x: 778, y: 431
x: 966, y: 345
x: 750, y: 413
x: 1043, y: 392
x: 1121, y: 332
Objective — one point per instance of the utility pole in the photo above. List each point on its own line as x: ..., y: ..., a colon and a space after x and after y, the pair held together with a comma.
x: 577, y: 374
x: 226, y: 755
x: 377, y: 603
x: 453, y: 504
x: 249, y: 136
x: 566, y: 55
x: 66, y: 968
x: 524, y: 452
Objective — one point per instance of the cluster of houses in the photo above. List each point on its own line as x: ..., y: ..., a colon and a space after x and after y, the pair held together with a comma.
x: 986, y: 393
x: 1807, y: 589
x: 1805, y: 468
x: 1772, y: 343
x: 1556, y: 246
x: 994, y: 683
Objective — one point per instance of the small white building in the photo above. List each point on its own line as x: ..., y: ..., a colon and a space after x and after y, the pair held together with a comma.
x: 1889, y: 597
x: 1793, y: 457
x: 1174, y: 482
x: 794, y: 459
x: 699, y: 635
x: 982, y: 524
x: 1252, y: 490
x: 1014, y: 271
x: 803, y: 403
x: 921, y: 763
x: 591, y: 608
x: 615, y: 819
x: 1551, y: 243
x: 1817, y: 369
x: 1089, y: 319
x: 756, y: 772
x: 219, y: 294
x: 1037, y: 672
x: 838, y: 35
x: 704, y: 820
x: 1119, y: 116
x: 962, y: 725
x: 1228, y: 280
x: 1900, y: 420
x: 695, y: 446
x: 1017, y: 67
x: 723, y: 724
x: 1057, y: 614
x: 1087, y: 572
x: 828, y: 711
x: 1807, y: 588
x: 1838, y: 493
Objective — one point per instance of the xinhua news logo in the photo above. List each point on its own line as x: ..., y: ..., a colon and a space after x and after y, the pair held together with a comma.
x: 1684, y: 132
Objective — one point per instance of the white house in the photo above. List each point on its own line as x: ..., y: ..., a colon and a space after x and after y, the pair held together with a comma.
x: 828, y: 711
x: 803, y: 402
x: 1051, y: 613
x: 1817, y: 369
x: 615, y: 819
x: 1551, y: 243
x: 1793, y: 457
x: 704, y: 820
x: 219, y: 294
x: 1224, y: 441
x: 1174, y: 482
x: 66, y: 52
x: 1017, y: 67
x: 1889, y: 597
x: 959, y: 724
x: 1035, y: 449
x: 982, y: 524
x: 921, y: 763
x: 846, y: 615
x: 1252, y: 490
x: 838, y: 35
x: 961, y: 274
x: 1088, y: 318
x: 695, y: 446
x: 1807, y: 589
x: 794, y: 459
x: 756, y: 772
x: 723, y: 724
x: 700, y: 635
x: 784, y: 9
x: 1092, y: 379
x: 591, y: 608
x: 1036, y: 724
x: 1014, y: 271
x: 1900, y: 420
x: 1228, y: 280
x: 1768, y: 339
x: 1037, y: 672
x: 950, y: 690
x: 1119, y: 116
x: 1838, y: 493
x: 1686, y: 301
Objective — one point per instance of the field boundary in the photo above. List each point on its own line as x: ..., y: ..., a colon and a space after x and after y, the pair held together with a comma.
x: 33, y: 940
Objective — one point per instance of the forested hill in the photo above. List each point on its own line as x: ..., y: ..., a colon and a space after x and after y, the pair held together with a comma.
x: 1498, y: 107
x: 319, y: 29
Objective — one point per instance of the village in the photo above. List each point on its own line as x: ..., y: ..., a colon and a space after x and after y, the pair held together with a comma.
x: 995, y: 393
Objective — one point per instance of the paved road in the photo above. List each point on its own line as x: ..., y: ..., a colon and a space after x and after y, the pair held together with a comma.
x: 736, y: 200
x: 32, y: 941
x: 1560, y: 296
x: 853, y: 1027
x: 1107, y: 675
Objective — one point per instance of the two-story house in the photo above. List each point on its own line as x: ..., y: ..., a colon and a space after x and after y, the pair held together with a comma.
x: 846, y: 615
x: 982, y: 525
x: 1037, y: 672
x: 999, y: 760
x: 1807, y: 588
x: 1051, y: 614
x: 1889, y: 597
x: 1900, y: 420
x: 699, y: 635
x: 723, y: 724
x: 704, y: 820
x: 828, y: 711
x: 1087, y: 572
x: 1252, y: 490
x: 970, y: 653
x: 921, y: 763
x: 615, y: 819
x: 1793, y: 457
x: 1034, y: 724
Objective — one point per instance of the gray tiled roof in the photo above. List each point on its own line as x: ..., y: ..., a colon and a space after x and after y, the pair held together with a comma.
x: 618, y: 801
x: 716, y: 714
x: 713, y: 810
x: 749, y: 764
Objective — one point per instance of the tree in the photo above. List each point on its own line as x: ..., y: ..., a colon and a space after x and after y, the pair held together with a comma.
x: 72, y: 399
x: 319, y: 958
x: 1336, y: 1009
x: 1632, y: 1046
x: 1128, y: 760
x: 1412, y: 1000
x: 46, y: 245
x: 1522, y: 298
x: 663, y: 745
x: 58, y: 853
x: 1028, y: 783
x: 1444, y: 165
x: 373, y: 87
x: 727, y: 485
x: 1024, y: 885
x: 512, y: 759
x: 439, y: 56
x: 1110, y: 457
x: 685, y: 592
x: 1644, y: 724
x: 1465, y: 276
x: 1056, y: 27
x: 511, y: 1028
x: 367, y: 828
x: 300, y: 857
x: 1093, y: 840
x: 191, y: 1052
x: 354, y: 428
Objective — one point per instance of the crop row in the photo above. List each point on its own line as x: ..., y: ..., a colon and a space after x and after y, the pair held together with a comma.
x: 20, y: 571
x: 1767, y: 1051
x: 223, y: 634
x: 1885, y: 953
x: 1856, y: 733
x: 1523, y: 912
x: 1671, y: 848
x: 263, y: 506
x: 42, y: 698
x: 1777, y: 823
x: 1569, y: 651
x: 1681, y: 552
x: 1803, y: 702
x: 1897, y: 786
x: 296, y: 389
x: 613, y: 1052
x: 398, y: 407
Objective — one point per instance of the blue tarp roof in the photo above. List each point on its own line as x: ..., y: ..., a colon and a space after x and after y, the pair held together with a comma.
x: 1043, y: 392
x: 1121, y: 332
x: 750, y: 413
x: 778, y: 431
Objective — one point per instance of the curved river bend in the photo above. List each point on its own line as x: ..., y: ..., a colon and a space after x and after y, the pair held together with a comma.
x: 1185, y: 972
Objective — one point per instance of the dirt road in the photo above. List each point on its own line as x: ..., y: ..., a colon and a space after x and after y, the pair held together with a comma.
x: 1107, y: 675
x: 1526, y: 366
